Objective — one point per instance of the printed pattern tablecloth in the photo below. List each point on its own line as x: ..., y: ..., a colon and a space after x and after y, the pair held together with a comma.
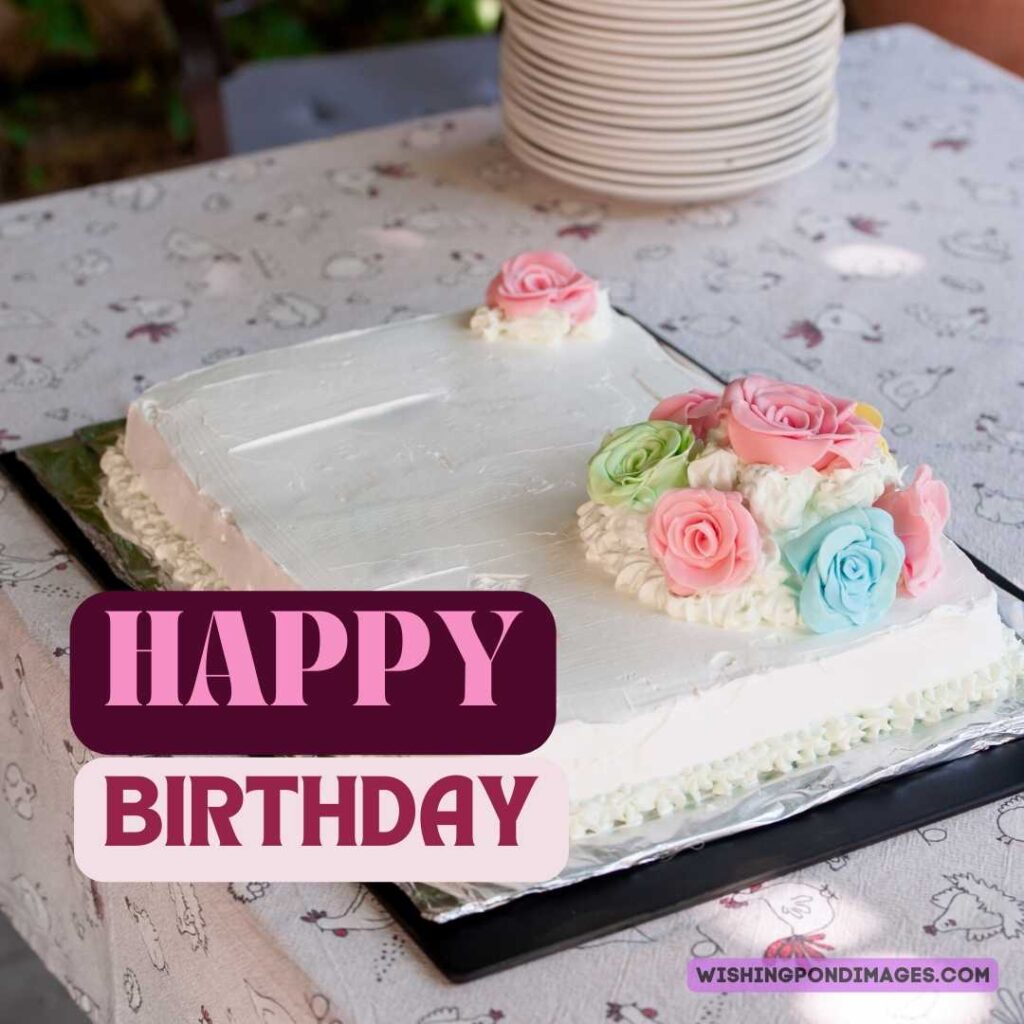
x: 890, y: 272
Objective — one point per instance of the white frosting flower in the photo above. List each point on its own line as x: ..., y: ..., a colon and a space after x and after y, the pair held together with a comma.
x: 841, y: 489
x: 544, y: 327
x: 716, y: 468
x: 599, y: 326
x: 777, y: 499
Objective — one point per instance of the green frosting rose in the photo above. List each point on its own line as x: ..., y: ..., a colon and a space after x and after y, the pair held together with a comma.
x: 636, y: 465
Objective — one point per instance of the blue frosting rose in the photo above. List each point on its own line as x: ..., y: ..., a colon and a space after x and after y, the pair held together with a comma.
x: 848, y: 566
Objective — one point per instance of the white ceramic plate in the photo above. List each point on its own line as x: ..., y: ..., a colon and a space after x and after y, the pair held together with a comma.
x: 699, y: 110
x: 692, y: 119
x: 639, y: 175
x: 530, y: 23
x: 657, y: 70
x: 668, y: 8
x: 597, y: 86
x: 709, y: 188
x: 651, y: 141
x: 631, y: 20
x: 699, y: 166
x: 680, y: 161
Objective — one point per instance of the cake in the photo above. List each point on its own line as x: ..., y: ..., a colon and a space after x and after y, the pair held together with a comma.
x: 742, y: 581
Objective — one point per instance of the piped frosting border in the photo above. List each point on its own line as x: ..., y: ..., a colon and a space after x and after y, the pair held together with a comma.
x: 632, y: 805
x: 135, y: 516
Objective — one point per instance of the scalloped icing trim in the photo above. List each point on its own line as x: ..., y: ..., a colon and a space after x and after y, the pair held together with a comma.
x: 632, y: 805
x: 134, y: 515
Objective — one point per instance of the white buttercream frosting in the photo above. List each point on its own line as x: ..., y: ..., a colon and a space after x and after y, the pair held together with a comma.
x: 547, y: 327
x: 631, y: 804
x: 412, y: 456
x: 840, y: 489
x: 717, y: 468
x: 777, y: 500
x: 793, y: 502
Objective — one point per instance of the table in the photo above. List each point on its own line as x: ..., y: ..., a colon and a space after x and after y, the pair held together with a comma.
x: 888, y: 272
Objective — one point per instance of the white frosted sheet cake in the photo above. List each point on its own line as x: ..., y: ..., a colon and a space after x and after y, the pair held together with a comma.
x: 418, y: 455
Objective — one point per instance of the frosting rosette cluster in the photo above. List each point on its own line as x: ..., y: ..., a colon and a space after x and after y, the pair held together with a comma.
x: 635, y: 465
x: 539, y: 296
x: 705, y: 540
x: 848, y: 567
x: 768, y: 504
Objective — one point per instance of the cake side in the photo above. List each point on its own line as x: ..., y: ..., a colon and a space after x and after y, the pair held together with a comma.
x: 643, y: 795
x: 209, y: 526
x: 956, y: 634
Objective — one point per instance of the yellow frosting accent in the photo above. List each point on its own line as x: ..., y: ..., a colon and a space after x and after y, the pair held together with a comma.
x: 869, y: 413
x: 874, y: 417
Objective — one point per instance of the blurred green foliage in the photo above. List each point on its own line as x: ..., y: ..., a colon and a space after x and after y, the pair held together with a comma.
x: 89, y: 104
x: 60, y: 26
x: 274, y: 30
x: 294, y: 28
x: 261, y: 29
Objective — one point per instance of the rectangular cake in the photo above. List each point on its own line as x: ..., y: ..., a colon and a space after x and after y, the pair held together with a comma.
x: 427, y: 455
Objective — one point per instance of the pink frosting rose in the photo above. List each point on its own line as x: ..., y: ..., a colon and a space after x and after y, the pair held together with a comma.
x: 919, y: 513
x: 532, y: 282
x: 794, y: 427
x: 698, y: 409
x: 704, y: 540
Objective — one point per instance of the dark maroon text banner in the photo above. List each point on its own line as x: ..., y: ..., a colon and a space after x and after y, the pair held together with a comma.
x: 313, y: 673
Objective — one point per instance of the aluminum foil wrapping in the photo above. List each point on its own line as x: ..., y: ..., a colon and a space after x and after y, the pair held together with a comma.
x: 774, y: 800
x: 69, y: 471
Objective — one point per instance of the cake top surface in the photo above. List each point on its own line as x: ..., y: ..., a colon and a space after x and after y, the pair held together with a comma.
x: 417, y: 456
x: 410, y: 455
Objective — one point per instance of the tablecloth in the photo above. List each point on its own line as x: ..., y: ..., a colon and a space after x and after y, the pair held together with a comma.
x: 888, y: 272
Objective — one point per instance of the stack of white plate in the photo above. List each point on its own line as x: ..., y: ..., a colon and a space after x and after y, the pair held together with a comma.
x: 670, y: 100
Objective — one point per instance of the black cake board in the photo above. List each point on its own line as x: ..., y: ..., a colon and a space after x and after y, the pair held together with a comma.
x: 537, y: 925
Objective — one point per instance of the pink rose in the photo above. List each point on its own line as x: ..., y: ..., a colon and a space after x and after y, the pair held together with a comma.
x: 532, y: 282
x: 705, y: 540
x: 793, y: 427
x: 700, y: 410
x: 919, y: 514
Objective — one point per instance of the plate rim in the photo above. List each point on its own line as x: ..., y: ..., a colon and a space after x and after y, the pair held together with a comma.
x: 683, y: 159
x: 715, y: 187
x: 771, y: 12
x: 721, y: 44
x: 673, y: 116
x: 570, y: 76
x: 828, y: 37
x: 666, y: 140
